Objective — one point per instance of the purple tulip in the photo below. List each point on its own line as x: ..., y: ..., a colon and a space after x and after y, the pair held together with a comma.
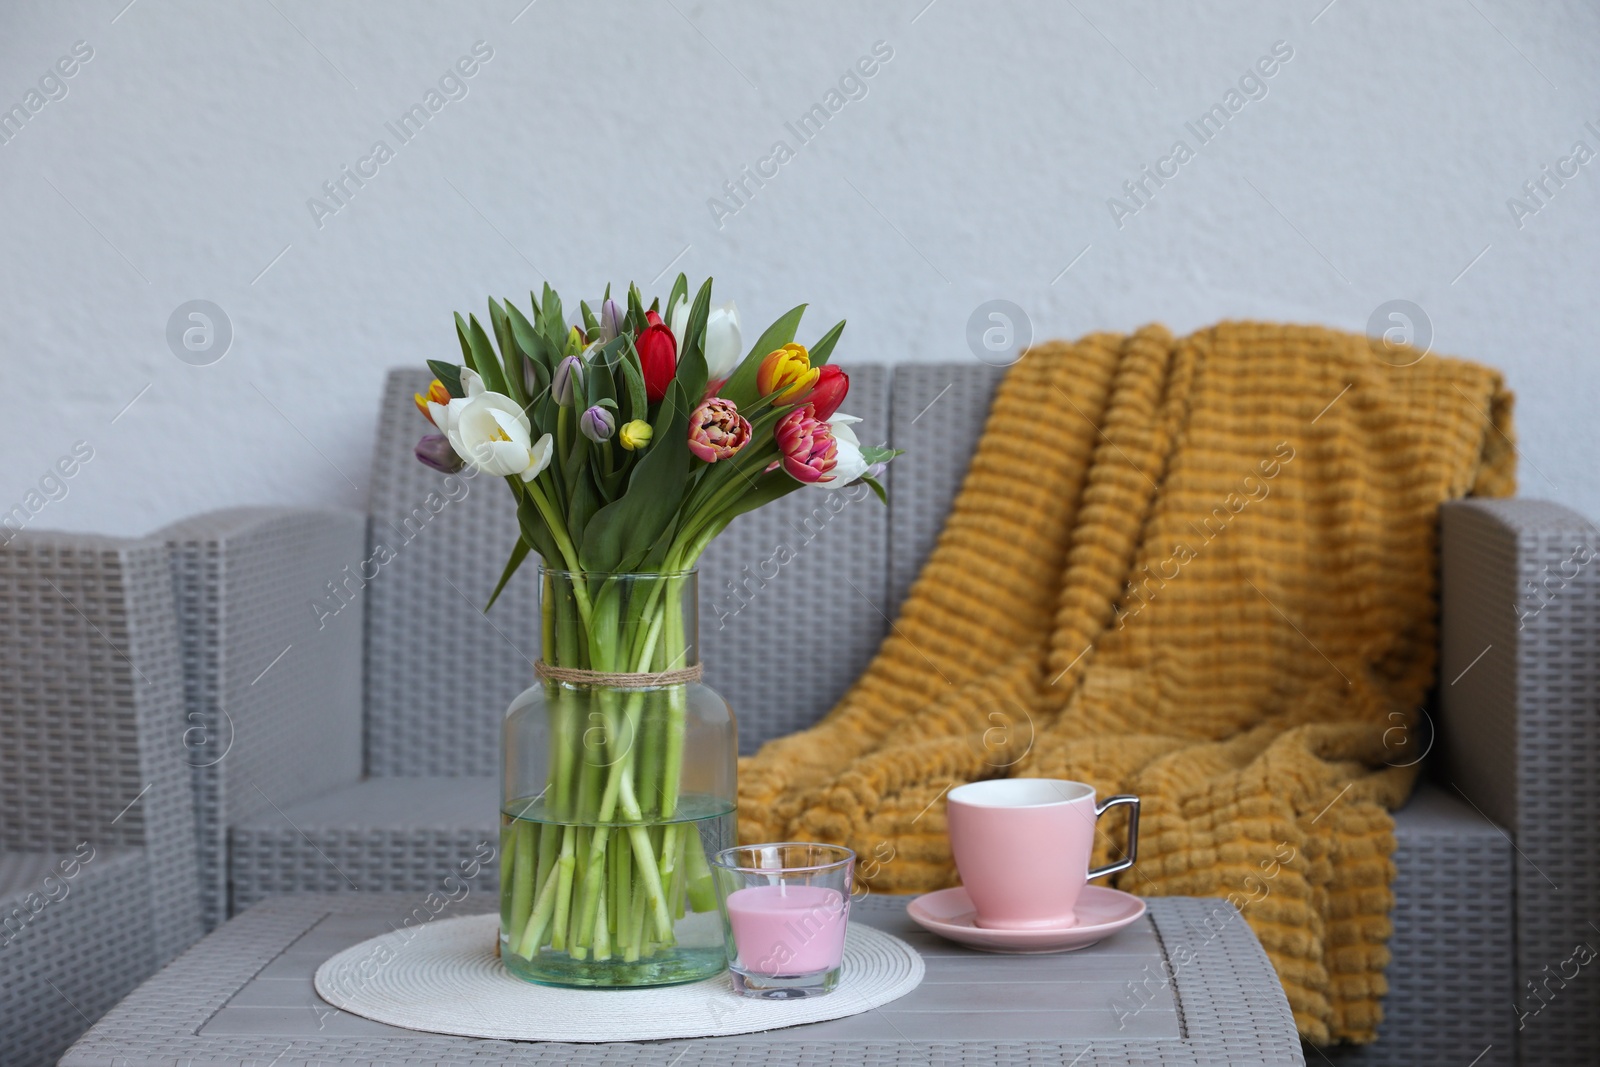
x: 597, y: 424
x: 568, y: 379
x: 434, y: 450
x: 611, y: 320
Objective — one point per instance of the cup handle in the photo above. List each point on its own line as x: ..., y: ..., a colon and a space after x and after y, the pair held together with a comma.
x: 1133, y: 834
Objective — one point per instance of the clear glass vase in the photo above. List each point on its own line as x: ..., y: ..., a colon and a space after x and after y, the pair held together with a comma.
x: 614, y: 796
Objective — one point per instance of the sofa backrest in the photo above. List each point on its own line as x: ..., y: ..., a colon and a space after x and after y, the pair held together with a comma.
x: 439, y: 672
x: 937, y: 413
x: 273, y: 689
x: 794, y: 600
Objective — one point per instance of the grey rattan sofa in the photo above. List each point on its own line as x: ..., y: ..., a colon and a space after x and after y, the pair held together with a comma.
x: 97, y: 867
x: 385, y: 771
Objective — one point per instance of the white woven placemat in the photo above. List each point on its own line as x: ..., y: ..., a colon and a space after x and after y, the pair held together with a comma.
x: 444, y: 978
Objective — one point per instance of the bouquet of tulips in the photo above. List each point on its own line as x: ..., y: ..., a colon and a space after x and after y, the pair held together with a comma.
x: 629, y: 441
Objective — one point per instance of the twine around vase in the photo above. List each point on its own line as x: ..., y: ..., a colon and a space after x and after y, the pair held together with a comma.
x: 618, y: 679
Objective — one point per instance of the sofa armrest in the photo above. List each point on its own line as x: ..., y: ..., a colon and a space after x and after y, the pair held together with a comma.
x: 1519, y: 713
x: 272, y: 637
x: 90, y: 698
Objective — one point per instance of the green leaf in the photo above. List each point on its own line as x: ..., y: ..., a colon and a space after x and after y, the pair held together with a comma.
x: 552, y: 322
x: 591, y: 325
x: 824, y: 347
x: 450, y: 375
x: 510, y: 357
x: 741, y: 385
x: 534, y: 530
x: 877, y: 486
x: 876, y: 454
x: 598, y: 386
x: 680, y: 289
x: 582, y: 506
x: 636, y: 319
x: 529, y: 341
x: 691, y: 370
x: 539, y: 387
x: 768, y: 487
x: 622, y: 533
x: 466, y: 347
x: 572, y: 467
x: 633, y: 379
x: 778, y: 334
x: 484, y: 361
x: 518, y: 554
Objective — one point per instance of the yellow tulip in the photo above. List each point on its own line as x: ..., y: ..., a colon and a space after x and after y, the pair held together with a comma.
x: 786, y: 374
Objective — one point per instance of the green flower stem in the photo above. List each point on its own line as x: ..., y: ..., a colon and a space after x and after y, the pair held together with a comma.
x: 507, y: 851
x: 563, y: 879
x: 549, y: 849
x: 702, y: 890
x: 645, y: 857
x: 602, y: 936
x: 672, y: 759
x: 545, y: 906
x: 521, y: 843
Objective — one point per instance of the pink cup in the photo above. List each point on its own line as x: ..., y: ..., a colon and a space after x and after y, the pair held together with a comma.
x: 1022, y: 847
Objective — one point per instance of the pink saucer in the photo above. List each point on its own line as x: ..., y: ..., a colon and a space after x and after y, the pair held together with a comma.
x: 1101, y: 913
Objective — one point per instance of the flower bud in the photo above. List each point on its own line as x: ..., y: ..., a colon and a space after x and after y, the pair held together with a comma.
x: 435, y: 451
x: 635, y: 435
x: 611, y: 319
x: 568, y: 380
x: 597, y: 423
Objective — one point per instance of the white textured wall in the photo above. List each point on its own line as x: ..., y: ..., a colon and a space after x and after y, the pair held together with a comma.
x: 978, y: 165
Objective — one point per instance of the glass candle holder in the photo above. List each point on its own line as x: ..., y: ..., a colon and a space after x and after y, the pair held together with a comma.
x: 784, y: 911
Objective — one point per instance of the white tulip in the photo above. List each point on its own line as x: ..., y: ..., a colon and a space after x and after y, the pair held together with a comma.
x: 723, y: 343
x: 848, y: 463
x: 444, y: 416
x: 543, y: 449
x: 678, y: 320
x: 491, y: 432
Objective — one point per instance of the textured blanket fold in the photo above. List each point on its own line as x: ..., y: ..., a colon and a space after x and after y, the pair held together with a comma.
x: 1202, y: 570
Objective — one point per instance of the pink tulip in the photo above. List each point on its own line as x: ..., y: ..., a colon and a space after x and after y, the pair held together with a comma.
x: 717, y: 430
x: 809, y: 450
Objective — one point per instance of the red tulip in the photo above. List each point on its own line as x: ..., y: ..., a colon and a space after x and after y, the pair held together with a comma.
x: 658, y: 356
x: 828, y: 393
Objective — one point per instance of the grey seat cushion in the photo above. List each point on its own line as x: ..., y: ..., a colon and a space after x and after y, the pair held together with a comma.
x: 1450, y: 980
x: 421, y: 835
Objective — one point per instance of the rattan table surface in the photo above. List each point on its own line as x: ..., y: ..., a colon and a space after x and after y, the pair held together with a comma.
x: 1187, y: 984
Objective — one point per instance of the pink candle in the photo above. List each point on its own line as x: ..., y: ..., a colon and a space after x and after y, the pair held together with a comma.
x: 788, y: 929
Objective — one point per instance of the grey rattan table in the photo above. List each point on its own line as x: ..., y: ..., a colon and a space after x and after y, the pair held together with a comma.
x: 244, y: 997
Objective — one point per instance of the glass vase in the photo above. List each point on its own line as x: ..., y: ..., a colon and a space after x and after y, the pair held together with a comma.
x: 616, y: 790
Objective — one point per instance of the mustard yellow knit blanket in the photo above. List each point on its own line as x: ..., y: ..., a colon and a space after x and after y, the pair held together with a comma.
x: 1202, y: 570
